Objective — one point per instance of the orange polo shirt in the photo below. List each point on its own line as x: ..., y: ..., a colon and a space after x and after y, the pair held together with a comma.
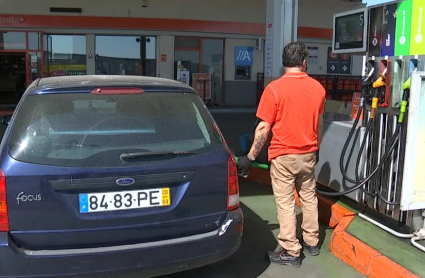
x: 292, y: 104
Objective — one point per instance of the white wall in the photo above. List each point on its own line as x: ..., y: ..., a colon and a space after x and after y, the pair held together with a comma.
x: 319, y: 13
x: 229, y: 54
x: 321, y: 67
x: 312, y: 13
x: 220, y: 10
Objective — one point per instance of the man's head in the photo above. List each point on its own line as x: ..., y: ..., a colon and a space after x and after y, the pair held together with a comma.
x: 295, y: 56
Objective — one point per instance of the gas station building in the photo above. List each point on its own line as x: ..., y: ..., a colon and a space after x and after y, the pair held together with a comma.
x: 228, y: 50
x: 235, y: 44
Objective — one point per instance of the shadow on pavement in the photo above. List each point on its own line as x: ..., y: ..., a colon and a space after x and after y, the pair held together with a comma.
x: 249, y: 261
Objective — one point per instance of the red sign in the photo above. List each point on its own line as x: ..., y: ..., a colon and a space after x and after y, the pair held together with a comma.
x: 345, y: 56
x: 332, y: 55
x: 355, y: 106
x: 163, y: 58
x: 11, y: 20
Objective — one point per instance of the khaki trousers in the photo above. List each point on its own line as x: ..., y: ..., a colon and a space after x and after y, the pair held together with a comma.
x: 287, y: 171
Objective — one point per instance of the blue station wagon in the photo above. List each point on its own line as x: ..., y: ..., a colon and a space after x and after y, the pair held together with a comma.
x: 102, y: 174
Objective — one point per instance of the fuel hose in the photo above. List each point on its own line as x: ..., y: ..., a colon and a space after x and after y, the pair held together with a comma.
x: 358, y: 183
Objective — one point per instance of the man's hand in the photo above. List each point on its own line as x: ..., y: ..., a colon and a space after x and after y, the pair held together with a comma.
x: 244, y: 164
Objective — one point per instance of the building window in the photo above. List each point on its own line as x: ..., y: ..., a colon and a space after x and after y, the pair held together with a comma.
x: 13, y: 40
x: 65, y: 55
x: 187, y: 42
x: 201, y: 55
x: 126, y: 55
x: 34, y: 41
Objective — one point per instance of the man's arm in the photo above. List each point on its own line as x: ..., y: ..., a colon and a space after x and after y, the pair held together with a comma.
x: 260, y: 137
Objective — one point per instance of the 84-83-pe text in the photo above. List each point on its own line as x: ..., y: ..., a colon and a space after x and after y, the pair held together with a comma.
x: 124, y: 200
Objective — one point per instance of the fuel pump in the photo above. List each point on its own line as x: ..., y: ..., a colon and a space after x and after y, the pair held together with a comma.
x: 399, y: 77
x: 372, y: 91
x: 384, y: 90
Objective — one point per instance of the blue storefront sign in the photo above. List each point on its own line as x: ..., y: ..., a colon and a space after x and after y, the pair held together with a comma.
x: 244, y: 56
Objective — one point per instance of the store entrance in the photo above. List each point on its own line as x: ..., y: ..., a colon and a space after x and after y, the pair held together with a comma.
x: 12, y: 78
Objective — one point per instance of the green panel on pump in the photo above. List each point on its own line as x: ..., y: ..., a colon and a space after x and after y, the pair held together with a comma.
x: 404, y: 23
x: 399, y: 76
x: 417, y: 40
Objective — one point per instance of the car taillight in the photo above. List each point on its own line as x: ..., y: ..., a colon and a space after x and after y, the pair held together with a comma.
x: 117, y: 91
x: 233, y: 185
x: 4, y: 216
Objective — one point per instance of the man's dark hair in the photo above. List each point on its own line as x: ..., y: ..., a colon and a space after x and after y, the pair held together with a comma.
x: 294, y: 54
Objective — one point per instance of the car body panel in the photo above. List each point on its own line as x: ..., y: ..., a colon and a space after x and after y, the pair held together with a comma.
x: 44, y: 201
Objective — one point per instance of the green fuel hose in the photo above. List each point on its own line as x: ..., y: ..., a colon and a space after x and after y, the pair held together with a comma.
x: 255, y: 164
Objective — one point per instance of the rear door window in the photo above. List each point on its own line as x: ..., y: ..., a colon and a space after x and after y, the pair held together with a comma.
x: 86, y: 130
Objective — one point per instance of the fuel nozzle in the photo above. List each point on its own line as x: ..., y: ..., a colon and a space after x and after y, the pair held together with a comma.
x: 405, y: 99
x: 406, y: 89
x: 366, y: 86
x: 379, y: 84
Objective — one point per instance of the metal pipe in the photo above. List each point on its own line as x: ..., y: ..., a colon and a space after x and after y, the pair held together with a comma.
x: 396, y: 164
x: 417, y: 245
x: 412, y: 237
x: 385, y: 71
x: 391, y: 172
x: 397, y: 234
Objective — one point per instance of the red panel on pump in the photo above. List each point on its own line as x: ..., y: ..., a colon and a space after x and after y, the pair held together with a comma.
x: 384, y: 94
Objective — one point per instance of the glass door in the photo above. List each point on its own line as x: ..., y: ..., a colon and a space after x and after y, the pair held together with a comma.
x: 212, y: 63
x: 34, y: 63
x: 201, y: 55
x: 34, y: 57
x: 12, y: 77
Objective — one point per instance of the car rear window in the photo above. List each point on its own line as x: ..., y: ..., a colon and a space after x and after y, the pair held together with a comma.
x: 86, y: 130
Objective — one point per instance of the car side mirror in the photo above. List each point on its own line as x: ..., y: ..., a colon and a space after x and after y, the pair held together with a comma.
x: 6, y: 119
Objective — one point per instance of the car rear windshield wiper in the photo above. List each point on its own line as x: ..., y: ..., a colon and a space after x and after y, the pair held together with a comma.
x: 127, y: 156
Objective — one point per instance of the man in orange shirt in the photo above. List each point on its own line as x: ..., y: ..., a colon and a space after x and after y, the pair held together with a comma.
x: 292, y: 108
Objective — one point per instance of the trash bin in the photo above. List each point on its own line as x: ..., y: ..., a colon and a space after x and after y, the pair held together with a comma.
x: 244, y: 140
x: 245, y: 143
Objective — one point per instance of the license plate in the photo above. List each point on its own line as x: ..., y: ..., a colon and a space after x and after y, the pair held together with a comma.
x: 124, y: 200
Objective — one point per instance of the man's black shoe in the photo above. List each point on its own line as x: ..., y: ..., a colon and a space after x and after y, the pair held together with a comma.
x: 312, y: 250
x: 282, y: 257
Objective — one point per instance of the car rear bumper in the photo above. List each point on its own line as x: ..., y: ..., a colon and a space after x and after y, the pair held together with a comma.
x: 148, y: 259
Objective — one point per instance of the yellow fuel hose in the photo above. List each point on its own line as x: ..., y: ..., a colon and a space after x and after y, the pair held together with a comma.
x: 379, y: 83
x: 403, y: 107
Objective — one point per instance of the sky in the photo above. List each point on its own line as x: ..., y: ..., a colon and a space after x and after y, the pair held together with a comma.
x: 376, y: 2
x: 112, y: 46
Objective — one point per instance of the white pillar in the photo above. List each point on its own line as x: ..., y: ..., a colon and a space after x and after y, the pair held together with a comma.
x: 281, y: 29
x: 90, y: 54
x: 165, y: 46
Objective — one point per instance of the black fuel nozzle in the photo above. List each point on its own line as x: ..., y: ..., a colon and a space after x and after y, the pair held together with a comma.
x: 367, y: 85
x: 406, y: 89
x: 404, y: 102
x: 406, y: 94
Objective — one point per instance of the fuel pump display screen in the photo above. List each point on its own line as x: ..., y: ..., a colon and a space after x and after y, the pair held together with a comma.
x: 350, y: 32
